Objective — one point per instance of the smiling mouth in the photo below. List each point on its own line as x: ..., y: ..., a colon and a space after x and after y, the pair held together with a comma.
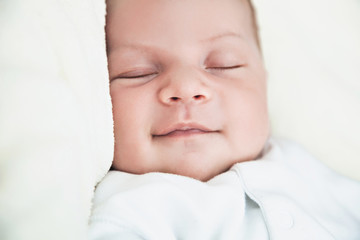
x: 184, y: 131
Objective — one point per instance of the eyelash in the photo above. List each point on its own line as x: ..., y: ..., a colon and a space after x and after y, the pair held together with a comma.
x: 135, y: 76
x: 224, y: 68
x: 151, y: 74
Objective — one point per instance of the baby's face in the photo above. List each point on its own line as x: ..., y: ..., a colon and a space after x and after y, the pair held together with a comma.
x: 188, y: 86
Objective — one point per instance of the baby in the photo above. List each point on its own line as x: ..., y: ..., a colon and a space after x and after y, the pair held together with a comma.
x: 193, y: 158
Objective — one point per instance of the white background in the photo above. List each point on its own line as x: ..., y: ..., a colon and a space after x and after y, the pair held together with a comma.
x: 312, y: 53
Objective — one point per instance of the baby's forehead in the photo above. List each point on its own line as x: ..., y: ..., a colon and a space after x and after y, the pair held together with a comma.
x: 166, y: 11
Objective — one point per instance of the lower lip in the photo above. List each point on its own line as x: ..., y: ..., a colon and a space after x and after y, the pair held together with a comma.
x: 184, y: 133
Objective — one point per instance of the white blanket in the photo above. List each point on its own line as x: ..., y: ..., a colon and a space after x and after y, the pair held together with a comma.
x: 56, y: 138
x: 312, y: 53
x: 297, y: 198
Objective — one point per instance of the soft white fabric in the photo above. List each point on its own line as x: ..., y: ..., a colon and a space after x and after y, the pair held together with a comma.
x: 312, y: 54
x: 299, y: 199
x: 56, y: 138
x: 159, y: 206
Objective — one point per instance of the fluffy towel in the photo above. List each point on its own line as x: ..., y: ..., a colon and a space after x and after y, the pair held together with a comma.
x: 56, y: 138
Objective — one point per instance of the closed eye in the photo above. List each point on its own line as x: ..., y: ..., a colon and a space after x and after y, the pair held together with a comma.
x: 222, y: 68
x: 135, y: 75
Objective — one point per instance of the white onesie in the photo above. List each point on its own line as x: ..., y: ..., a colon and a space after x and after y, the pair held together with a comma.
x: 283, y: 195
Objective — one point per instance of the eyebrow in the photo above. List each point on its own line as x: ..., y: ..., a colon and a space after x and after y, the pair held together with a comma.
x: 222, y: 35
x: 145, y: 47
x: 134, y: 46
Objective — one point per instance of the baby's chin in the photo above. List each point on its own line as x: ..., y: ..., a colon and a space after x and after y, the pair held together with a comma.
x: 201, y: 168
x: 201, y: 173
x: 204, y: 169
x: 204, y: 173
x: 202, y: 176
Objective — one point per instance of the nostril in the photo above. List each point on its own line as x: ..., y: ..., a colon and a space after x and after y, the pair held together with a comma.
x: 198, y: 97
x: 175, y: 99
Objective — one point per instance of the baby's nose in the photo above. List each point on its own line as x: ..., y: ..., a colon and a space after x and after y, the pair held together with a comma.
x: 173, y: 99
x: 188, y: 87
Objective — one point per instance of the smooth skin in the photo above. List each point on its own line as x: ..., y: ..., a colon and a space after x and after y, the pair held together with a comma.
x: 188, y: 86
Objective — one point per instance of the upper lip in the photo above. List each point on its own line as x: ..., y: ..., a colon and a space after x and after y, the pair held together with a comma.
x: 182, y: 127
